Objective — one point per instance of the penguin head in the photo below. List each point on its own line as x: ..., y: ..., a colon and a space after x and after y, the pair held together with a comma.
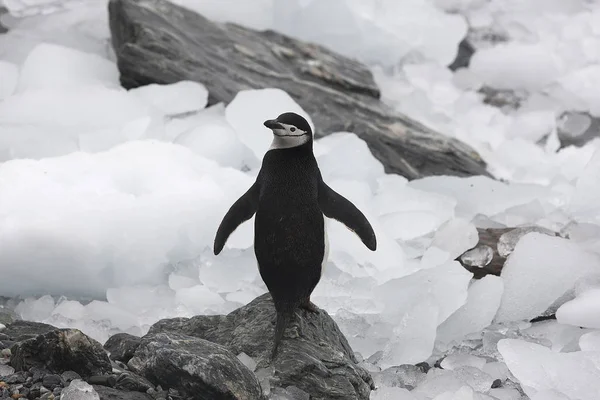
x: 289, y: 130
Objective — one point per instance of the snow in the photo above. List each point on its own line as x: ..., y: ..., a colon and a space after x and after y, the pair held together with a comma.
x: 111, y: 197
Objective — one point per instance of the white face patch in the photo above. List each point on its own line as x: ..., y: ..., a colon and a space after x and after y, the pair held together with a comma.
x: 289, y: 136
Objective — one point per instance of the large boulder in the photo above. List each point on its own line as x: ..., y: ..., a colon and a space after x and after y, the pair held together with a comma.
x: 158, y: 42
x: 314, y: 355
x: 61, y: 350
x: 195, y: 367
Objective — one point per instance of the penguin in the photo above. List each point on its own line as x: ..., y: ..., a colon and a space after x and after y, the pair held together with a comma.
x: 291, y: 201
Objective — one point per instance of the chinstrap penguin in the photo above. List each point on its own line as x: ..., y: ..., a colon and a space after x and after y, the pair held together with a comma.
x: 290, y: 200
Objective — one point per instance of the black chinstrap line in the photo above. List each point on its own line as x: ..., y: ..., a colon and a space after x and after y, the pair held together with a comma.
x: 304, y: 134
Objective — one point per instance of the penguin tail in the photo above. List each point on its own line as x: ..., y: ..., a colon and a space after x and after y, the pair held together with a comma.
x: 284, y: 316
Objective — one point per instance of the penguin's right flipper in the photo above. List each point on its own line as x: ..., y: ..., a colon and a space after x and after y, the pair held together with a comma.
x: 336, y: 206
x: 241, y: 211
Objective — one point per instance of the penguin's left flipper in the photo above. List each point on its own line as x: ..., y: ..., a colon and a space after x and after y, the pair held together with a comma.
x: 242, y: 210
x: 336, y: 206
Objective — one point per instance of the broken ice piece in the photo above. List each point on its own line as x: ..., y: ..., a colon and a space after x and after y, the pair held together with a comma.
x: 508, y: 241
x: 454, y: 361
x: 79, y: 390
x: 405, y: 376
x: 480, y: 256
x: 247, y: 361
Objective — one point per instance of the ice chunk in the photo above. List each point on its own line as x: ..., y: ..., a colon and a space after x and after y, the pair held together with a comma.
x: 177, y: 281
x: 413, y: 335
x: 479, y: 194
x: 480, y: 256
x: 342, y: 147
x: 229, y: 271
x: 416, y: 305
x: 437, y: 382
x: 539, y: 271
x: 505, y: 394
x: 482, y: 303
x: 538, y: 368
x: 454, y: 361
x: 574, y: 124
x: 563, y: 337
x: 583, y: 311
x: 590, y: 341
x: 549, y: 395
x: 212, y: 137
x: 10, y: 77
x: 70, y: 309
x: 391, y: 393
x: 175, y: 98
x: 581, y: 83
x: 199, y: 299
x: 409, y: 225
x: 32, y: 309
x: 464, y: 393
x: 455, y: 237
x: 377, y: 32
x: 533, y: 125
x: 515, y: 65
x: 247, y: 361
x: 497, y: 370
x: 75, y: 110
x: 585, y: 201
x: 54, y: 68
x: 79, y: 390
x: 250, y: 108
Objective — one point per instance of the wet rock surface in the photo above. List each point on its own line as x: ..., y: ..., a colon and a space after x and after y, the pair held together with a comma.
x: 158, y: 42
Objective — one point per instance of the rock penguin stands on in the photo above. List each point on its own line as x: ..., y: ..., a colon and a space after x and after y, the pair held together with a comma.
x: 290, y: 199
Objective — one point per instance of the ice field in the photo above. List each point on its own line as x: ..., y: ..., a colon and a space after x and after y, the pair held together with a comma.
x: 110, y: 199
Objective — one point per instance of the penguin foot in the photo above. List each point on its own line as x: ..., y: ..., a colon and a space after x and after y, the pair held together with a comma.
x: 309, y: 306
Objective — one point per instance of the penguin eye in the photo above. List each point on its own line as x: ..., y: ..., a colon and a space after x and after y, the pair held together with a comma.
x: 292, y: 129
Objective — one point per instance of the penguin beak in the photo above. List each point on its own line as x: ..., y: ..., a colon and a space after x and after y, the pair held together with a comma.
x: 273, y: 124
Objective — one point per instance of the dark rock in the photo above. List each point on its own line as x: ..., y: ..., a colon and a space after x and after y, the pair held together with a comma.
x: 463, y: 56
x: 107, y: 393
x: 423, y: 366
x: 37, y: 374
x: 500, y: 98
x: 497, y: 383
x: 133, y: 382
x: 51, y: 381
x: 314, y: 355
x: 3, y: 29
x: 502, y: 241
x: 69, y: 376
x: 18, y: 377
x: 122, y: 346
x: 56, y: 391
x: 197, y: 368
x: 36, y: 390
x: 61, y: 350
x: 104, y: 380
x: 19, y: 331
x: 159, y: 42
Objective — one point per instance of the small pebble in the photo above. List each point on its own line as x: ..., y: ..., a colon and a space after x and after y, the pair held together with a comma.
x: 56, y: 391
x: 51, y: 381
x: 496, y: 384
x: 69, y: 376
x: 103, y: 380
x: 44, y: 389
x: 6, y: 353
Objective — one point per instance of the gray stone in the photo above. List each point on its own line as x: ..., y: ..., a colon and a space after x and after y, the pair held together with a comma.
x: 23, y: 330
x: 480, y: 256
x: 576, y: 128
x: 133, y: 382
x: 159, y: 42
x: 122, y: 346
x: 195, y: 367
x: 314, y: 355
x: 61, y: 350
x: 108, y: 393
